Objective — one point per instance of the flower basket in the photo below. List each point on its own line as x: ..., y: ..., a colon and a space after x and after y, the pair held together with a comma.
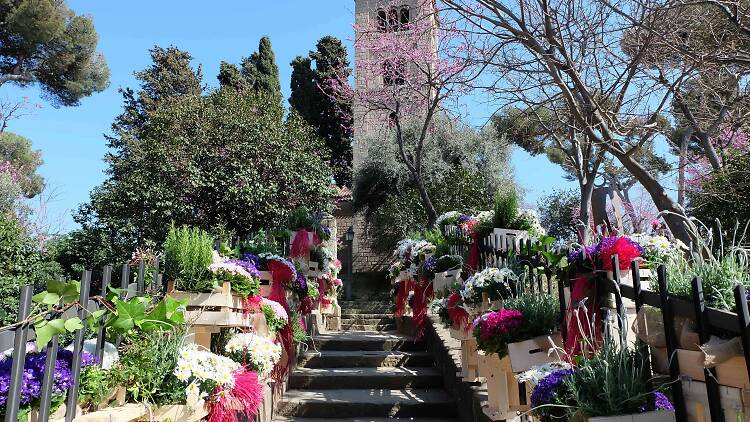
x: 655, y: 416
x: 444, y: 280
x: 503, y: 393
x: 526, y: 354
x: 732, y: 373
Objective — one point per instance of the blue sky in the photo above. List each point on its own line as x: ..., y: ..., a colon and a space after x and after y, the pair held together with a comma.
x: 71, y: 139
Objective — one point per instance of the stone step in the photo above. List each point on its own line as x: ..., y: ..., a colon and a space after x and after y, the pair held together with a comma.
x: 347, y: 313
x: 363, y: 419
x: 366, y: 311
x: 367, y: 341
x: 384, y: 377
x: 371, y: 321
x: 358, y: 403
x: 348, y: 359
x: 368, y: 327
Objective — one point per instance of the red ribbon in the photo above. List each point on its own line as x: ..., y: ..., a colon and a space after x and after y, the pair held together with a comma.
x: 322, y: 287
x: 473, y: 261
x: 280, y: 273
x: 458, y: 315
x: 580, y: 318
x: 402, y: 296
x: 278, y: 294
x: 423, y: 293
x: 301, y: 244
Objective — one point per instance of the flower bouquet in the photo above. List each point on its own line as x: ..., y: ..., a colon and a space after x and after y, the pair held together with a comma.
x: 487, y: 288
x: 254, y: 352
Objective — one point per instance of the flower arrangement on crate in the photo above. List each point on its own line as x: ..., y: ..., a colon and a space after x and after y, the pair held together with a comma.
x: 489, y: 286
x: 528, y: 317
x: 227, y: 387
x: 613, y: 382
x: 257, y: 353
x: 598, y: 256
x: 276, y: 316
x: 307, y: 232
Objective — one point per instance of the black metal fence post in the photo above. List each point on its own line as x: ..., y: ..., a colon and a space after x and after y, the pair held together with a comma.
x: 712, y: 387
x: 618, y: 294
x: 75, y: 366
x: 671, y: 339
x: 743, y: 320
x: 19, y: 356
x: 100, y: 335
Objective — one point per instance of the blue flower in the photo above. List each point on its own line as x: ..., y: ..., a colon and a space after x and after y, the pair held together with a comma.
x: 546, y: 388
x: 661, y: 402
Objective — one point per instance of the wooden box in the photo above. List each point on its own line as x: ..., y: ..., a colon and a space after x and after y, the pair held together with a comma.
x: 443, y: 281
x: 503, y: 393
x: 732, y: 373
x: 525, y: 354
x: 507, y: 239
x: 735, y: 402
x: 655, y: 416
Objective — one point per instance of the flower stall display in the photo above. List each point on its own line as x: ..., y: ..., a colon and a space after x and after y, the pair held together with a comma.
x: 513, y: 340
x: 276, y: 316
x: 254, y: 352
x: 308, y: 232
x: 446, y: 271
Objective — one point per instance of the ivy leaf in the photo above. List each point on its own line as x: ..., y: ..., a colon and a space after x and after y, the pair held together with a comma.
x: 47, y: 298
x: 73, y: 324
x: 45, y: 330
x: 93, y: 319
x: 129, y: 315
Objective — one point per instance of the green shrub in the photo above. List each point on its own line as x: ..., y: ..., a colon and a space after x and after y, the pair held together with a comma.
x: 506, y: 209
x: 147, y: 367
x: 272, y: 321
x: 188, y: 254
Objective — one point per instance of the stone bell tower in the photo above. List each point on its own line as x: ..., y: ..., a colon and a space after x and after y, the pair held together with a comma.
x: 386, y: 16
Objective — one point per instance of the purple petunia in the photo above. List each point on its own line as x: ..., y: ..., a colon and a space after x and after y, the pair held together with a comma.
x: 248, y: 265
x: 546, y: 388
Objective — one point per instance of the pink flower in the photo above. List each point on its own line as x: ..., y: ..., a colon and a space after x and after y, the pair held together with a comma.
x: 500, y: 322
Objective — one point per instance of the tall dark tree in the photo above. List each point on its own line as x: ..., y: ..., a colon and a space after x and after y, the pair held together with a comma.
x: 313, y: 99
x: 258, y: 72
x: 44, y: 42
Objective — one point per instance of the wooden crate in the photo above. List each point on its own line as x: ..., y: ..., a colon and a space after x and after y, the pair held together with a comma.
x: 266, y: 280
x: 655, y: 416
x: 526, y: 354
x: 735, y: 402
x: 445, y: 280
x: 503, y: 393
x: 732, y: 373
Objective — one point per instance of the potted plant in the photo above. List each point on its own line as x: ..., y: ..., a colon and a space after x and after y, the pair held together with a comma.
x: 612, y: 385
x: 512, y: 340
x: 446, y: 271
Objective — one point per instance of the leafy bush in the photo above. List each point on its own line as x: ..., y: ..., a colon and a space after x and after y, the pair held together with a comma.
x: 557, y: 213
x: 262, y: 241
x: 725, y: 194
x: 506, y: 209
x: 188, y: 251
x: 298, y: 331
x: 147, y: 368
x: 21, y: 263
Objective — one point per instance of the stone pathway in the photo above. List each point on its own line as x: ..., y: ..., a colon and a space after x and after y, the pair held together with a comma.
x: 367, y: 372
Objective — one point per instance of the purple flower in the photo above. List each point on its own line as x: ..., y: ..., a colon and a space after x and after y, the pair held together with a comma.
x: 661, y: 402
x: 429, y: 265
x: 248, y: 265
x: 546, y: 388
x: 252, y: 258
x: 463, y: 218
x: 88, y: 359
x: 301, y: 284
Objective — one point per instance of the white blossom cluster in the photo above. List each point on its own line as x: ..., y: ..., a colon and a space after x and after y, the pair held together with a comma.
x: 202, y: 370
x: 257, y: 352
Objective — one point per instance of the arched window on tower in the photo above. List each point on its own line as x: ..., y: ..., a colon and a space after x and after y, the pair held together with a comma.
x: 382, y: 21
x: 394, y: 72
x: 393, y: 19
x: 404, y: 15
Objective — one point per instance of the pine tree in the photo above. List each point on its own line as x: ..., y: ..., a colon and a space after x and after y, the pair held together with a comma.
x: 332, y: 118
x: 259, y: 72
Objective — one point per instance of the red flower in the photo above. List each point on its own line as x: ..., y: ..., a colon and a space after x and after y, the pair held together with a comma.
x: 622, y: 246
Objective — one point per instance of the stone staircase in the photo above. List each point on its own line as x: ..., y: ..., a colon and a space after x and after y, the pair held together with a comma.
x: 367, y: 372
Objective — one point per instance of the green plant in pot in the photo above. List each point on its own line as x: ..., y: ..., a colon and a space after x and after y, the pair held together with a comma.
x: 188, y: 252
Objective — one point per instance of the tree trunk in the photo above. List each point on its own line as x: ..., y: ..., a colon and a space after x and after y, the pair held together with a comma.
x: 663, y: 202
x: 709, y: 150
x: 426, y: 203
x: 587, y: 190
x: 681, y: 181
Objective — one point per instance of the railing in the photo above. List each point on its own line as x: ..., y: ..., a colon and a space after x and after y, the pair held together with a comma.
x: 22, y: 332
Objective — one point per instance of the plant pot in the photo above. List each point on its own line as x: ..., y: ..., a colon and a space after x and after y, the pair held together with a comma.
x: 526, y: 354
x: 732, y: 373
x: 655, y: 416
x: 444, y: 280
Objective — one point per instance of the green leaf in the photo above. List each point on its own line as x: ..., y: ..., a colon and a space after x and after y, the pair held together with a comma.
x: 47, y: 298
x: 73, y: 324
x: 129, y: 315
x: 45, y: 330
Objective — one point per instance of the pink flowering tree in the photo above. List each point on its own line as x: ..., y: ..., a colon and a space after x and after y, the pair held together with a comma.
x: 412, y: 66
x: 700, y: 166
